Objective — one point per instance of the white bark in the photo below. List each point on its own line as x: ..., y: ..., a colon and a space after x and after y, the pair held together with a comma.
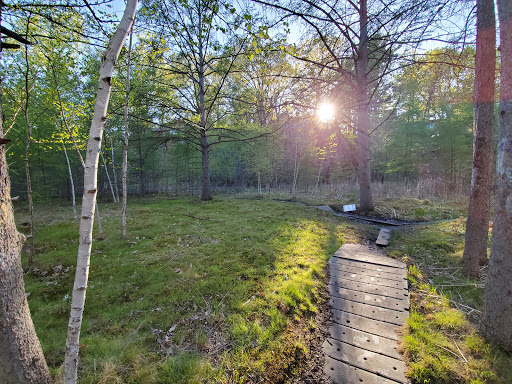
x: 126, y: 134
x: 70, y: 175
x: 90, y: 188
x: 65, y: 121
x: 108, y: 177
x: 114, y: 175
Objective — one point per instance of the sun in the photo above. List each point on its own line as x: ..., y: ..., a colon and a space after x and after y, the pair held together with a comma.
x: 325, y: 112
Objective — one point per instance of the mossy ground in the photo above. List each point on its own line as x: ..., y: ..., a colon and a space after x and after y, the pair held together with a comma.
x: 440, y: 341
x: 198, y: 292
x: 227, y: 291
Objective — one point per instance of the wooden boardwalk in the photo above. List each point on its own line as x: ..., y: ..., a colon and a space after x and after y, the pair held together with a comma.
x: 369, y: 301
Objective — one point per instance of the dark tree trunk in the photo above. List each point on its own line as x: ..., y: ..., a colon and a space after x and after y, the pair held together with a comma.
x: 21, y: 357
x: 497, y: 312
x: 477, y: 225
x: 363, y: 120
x: 206, y: 191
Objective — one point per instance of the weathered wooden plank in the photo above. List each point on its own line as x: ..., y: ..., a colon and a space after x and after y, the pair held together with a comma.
x: 338, y: 263
x: 375, y: 289
x: 342, y: 373
x: 377, y: 313
x: 362, y: 253
x: 368, y: 298
x: 366, y: 340
x: 372, y: 259
x: 364, y: 324
x: 342, y: 275
x: 384, y: 237
x: 386, y: 366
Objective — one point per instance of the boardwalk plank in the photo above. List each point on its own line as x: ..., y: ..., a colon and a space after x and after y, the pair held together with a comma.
x: 400, y: 294
x: 342, y: 275
x: 369, y: 302
x: 338, y: 262
x: 386, y: 366
x: 362, y: 253
x: 376, y: 313
x: 368, y: 298
x: 344, y: 373
x: 361, y: 323
x: 366, y: 340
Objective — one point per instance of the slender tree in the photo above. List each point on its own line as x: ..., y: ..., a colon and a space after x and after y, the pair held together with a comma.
x: 90, y: 191
x: 70, y: 174
x: 496, y: 322
x: 27, y: 160
x: 126, y: 135
x: 477, y: 224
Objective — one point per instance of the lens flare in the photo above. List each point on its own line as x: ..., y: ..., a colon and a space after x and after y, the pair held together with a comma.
x: 325, y: 112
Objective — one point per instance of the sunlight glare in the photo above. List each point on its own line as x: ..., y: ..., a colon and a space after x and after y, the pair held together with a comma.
x: 325, y: 112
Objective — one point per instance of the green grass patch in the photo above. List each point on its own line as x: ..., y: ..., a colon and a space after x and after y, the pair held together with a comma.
x: 198, y: 292
x: 440, y: 343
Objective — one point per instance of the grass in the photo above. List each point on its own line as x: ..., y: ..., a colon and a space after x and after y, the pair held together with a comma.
x: 198, y: 292
x: 228, y: 291
x: 440, y: 341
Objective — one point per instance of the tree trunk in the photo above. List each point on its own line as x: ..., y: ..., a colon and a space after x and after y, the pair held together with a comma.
x: 477, y: 224
x: 65, y: 121
x: 21, y: 357
x: 114, y: 175
x: 108, y: 177
x: 363, y: 120
x: 295, y: 168
x: 90, y: 190
x: 70, y: 175
x: 206, y: 190
x: 126, y: 134
x: 27, y: 165
x: 497, y: 311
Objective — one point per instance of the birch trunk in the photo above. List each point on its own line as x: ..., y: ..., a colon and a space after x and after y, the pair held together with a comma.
x: 126, y: 135
x: 21, y: 357
x: 114, y: 175
x: 477, y: 224
x: 70, y: 175
x: 363, y: 121
x: 65, y: 121
x: 108, y: 177
x: 90, y: 188
x: 496, y: 322
x: 27, y: 165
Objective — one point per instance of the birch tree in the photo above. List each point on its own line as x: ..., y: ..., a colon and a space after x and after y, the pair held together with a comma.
x: 126, y: 135
x: 90, y: 191
x: 497, y: 311
x: 477, y: 224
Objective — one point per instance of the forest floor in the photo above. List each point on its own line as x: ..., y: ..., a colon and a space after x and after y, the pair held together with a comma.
x: 234, y: 291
